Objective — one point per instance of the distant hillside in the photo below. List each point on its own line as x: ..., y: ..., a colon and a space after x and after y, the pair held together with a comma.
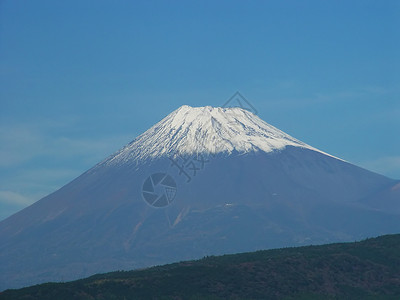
x: 362, y: 270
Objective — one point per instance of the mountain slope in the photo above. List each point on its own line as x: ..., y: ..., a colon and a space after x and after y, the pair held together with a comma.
x: 189, y: 187
x: 364, y: 270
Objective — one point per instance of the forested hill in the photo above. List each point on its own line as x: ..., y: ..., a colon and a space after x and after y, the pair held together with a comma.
x: 368, y: 269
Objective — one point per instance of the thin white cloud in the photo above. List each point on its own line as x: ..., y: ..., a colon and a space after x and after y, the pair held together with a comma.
x: 21, y: 143
x: 389, y: 166
x: 11, y: 197
x: 35, y: 160
x: 28, y: 186
x: 94, y: 148
x: 353, y: 95
x: 40, y: 179
x: 18, y: 144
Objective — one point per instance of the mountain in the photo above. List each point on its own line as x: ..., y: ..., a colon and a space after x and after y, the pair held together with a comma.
x: 202, y: 181
x: 364, y: 270
x: 210, y: 130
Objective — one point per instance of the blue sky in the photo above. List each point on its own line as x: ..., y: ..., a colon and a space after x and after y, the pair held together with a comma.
x: 80, y: 79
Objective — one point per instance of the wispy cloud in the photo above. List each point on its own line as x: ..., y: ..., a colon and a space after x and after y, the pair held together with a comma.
x: 356, y: 94
x: 11, y: 202
x: 28, y: 186
x: 35, y: 159
x: 18, y: 144
x: 23, y: 142
x: 11, y: 197
x: 389, y: 166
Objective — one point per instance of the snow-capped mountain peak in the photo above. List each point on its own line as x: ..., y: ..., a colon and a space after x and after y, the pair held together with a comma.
x: 211, y: 130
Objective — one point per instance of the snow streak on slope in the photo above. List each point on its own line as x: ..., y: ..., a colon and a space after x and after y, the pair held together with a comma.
x: 210, y: 130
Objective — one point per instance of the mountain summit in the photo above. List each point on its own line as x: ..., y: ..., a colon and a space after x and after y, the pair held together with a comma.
x: 202, y: 181
x: 208, y: 130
